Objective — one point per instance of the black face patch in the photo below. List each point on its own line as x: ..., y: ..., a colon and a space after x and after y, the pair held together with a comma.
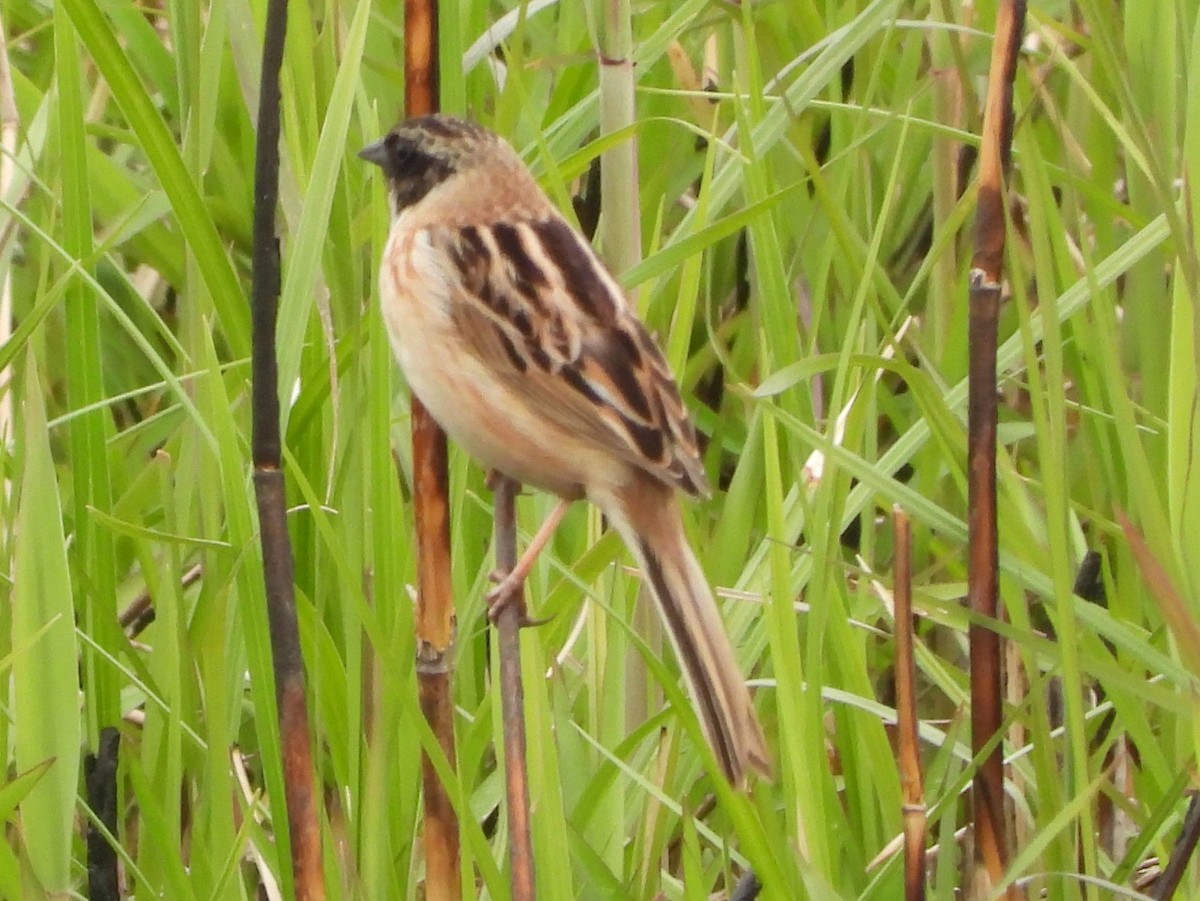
x: 412, y: 171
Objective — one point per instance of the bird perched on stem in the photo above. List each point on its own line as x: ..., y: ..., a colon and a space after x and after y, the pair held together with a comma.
x: 519, y: 342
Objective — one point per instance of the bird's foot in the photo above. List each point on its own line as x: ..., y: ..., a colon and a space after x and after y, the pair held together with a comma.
x: 509, y: 592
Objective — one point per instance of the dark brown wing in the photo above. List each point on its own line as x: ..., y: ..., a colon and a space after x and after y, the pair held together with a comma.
x: 545, y: 315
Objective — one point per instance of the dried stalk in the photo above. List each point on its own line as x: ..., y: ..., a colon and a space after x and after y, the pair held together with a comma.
x: 431, y: 505
x: 512, y: 698
x: 1181, y: 855
x: 140, y: 613
x: 620, y: 241
x: 303, y: 830
x: 983, y: 565
x: 906, y: 714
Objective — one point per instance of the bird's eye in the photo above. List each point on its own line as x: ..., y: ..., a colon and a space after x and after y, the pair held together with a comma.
x: 404, y: 155
x: 395, y: 147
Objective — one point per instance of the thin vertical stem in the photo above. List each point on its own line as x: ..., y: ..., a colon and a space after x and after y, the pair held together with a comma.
x: 983, y: 582
x: 512, y: 698
x: 620, y: 242
x: 620, y: 224
x: 431, y: 506
x: 303, y: 834
x: 906, y: 714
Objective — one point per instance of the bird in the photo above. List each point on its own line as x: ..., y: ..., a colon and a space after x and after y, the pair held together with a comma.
x: 516, y: 338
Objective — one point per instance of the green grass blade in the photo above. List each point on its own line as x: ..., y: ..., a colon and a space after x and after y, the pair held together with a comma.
x: 46, y: 669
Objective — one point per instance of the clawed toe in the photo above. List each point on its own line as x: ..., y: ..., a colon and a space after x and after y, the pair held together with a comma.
x: 509, y: 585
x: 507, y: 588
x: 508, y: 593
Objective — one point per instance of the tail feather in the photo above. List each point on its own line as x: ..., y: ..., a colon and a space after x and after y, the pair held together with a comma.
x: 651, y: 526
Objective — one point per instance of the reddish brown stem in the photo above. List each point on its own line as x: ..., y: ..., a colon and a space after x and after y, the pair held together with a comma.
x: 303, y: 831
x: 435, y: 601
x: 290, y: 695
x: 983, y: 562
x: 906, y: 714
x: 442, y: 879
x: 435, y: 640
x: 983, y: 579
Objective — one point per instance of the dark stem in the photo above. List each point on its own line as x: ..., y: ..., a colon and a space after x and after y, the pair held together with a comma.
x: 512, y: 698
x: 100, y: 777
x: 907, y: 722
x: 747, y: 889
x: 1181, y: 856
x: 265, y: 441
x: 983, y: 578
x: 303, y: 832
x: 983, y: 581
x: 140, y: 613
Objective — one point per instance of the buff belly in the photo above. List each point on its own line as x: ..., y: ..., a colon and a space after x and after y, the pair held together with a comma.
x: 478, y: 410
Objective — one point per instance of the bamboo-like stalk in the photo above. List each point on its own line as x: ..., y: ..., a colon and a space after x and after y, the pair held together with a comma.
x: 983, y: 581
x: 431, y: 506
x: 906, y: 713
x: 512, y: 698
x: 620, y: 224
x: 620, y: 241
x: 304, y: 833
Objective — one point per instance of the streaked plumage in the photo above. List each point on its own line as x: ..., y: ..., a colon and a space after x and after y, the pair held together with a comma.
x: 522, y: 346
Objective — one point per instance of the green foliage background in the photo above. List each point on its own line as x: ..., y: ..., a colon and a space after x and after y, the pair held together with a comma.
x: 125, y: 235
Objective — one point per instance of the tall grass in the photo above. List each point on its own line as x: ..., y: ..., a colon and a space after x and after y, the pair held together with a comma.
x: 781, y: 256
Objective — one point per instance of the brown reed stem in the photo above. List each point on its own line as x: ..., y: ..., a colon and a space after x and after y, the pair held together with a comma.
x: 431, y: 504
x: 907, y: 722
x: 303, y: 832
x: 512, y: 698
x: 983, y: 581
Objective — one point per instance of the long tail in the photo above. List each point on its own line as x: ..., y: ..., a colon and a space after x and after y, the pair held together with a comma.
x: 647, y: 517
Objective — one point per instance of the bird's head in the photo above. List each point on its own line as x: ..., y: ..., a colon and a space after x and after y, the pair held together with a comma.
x: 419, y: 154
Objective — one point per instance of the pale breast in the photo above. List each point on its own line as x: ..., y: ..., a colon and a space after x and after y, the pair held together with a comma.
x: 480, y: 411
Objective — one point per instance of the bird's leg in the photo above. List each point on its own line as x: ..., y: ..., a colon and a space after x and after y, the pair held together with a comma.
x: 508, y: 590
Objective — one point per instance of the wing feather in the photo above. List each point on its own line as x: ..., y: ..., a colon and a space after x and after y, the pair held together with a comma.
x: 543, y: 313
